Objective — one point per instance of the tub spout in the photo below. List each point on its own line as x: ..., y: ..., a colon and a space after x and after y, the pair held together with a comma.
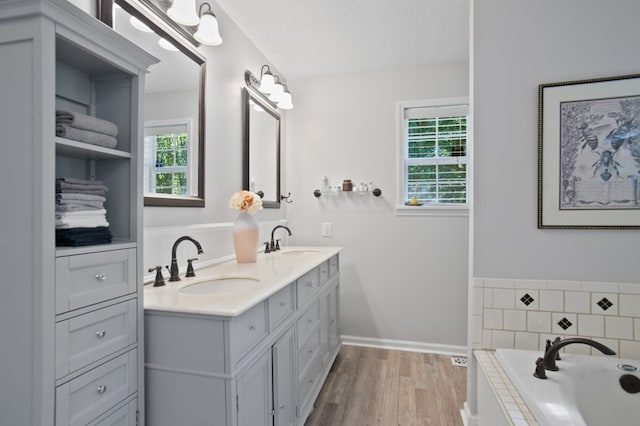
x: 549, y: 360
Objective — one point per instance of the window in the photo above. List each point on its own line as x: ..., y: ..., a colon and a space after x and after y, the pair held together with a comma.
x: 434, y: 152
x: 167, y: 157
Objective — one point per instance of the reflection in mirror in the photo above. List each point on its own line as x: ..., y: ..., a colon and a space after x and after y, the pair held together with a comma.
x: 173, y: 108
x: 261, y: 148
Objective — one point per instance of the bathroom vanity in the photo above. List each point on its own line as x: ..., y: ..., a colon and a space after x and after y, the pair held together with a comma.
x: 243, y: 344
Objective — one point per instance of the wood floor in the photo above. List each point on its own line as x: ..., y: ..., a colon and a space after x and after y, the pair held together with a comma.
x: 368, y: 386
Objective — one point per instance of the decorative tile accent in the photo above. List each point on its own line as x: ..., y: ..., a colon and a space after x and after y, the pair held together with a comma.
x: 527, y: 299
x: 605, y: 304
x: 564, y: 323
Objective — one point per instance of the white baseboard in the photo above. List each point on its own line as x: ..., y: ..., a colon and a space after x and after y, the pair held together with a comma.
x: 467, y: 418
x: 404, y: 345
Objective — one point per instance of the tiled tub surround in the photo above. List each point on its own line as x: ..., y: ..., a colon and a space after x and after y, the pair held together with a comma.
x: 523, y: 314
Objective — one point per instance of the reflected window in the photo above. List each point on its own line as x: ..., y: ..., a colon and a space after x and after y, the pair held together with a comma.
x: 167, y: 157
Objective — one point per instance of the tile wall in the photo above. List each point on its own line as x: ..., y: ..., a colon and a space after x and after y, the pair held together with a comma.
x: 523, y: 314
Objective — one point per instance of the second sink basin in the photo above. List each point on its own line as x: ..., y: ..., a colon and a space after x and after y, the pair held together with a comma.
x: 219, y: 285
x: 299, y: 252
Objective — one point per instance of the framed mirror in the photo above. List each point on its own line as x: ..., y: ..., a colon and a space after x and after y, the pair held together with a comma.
x: 174, y: 102
x: 261, y: 168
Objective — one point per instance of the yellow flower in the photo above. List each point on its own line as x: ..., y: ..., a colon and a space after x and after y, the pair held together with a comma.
x: 245, y: 201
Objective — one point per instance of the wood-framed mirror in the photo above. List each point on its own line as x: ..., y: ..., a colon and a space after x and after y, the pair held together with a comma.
x: 174, y: 128
x: 261, y: 149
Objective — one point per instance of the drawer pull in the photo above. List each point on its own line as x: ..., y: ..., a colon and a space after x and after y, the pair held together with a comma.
x: 282, y: 406
x: 310, y: 381
x: 282, y: 304
x: 101, y: 277
x: 310, y: 284
x: 252, y: 326
x: 101, y: 333
x: 310, y: 351
x: 309, y: 321
x: 102, y: 389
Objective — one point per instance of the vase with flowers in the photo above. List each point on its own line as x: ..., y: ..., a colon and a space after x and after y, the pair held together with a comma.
x: 245, y: 227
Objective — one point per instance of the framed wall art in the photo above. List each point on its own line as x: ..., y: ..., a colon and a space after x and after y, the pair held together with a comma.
x: 589, y: 154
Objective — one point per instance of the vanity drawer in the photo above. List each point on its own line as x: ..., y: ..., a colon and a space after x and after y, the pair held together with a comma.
x: 247, y: 329
x: 307, y: 323
x: 86, y: 279
x: 334, y: 266
x: 307, y: 285
x: 87, y: 396
x: 123, y: 416
x: 309, y: 350
x: 324, y: 272
x: 87, y: 338
x: 280, y: 306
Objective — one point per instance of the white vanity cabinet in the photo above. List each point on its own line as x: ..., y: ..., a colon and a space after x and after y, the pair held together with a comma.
x: 264, y: 366
x: 71, y: 355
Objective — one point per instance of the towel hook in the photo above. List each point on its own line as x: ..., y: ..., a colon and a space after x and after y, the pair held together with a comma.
x: 286, y: 198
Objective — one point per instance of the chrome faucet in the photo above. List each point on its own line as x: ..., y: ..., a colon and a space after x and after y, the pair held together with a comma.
x: 173, y: 271
x: 275, y: 245
x: 549, y: 360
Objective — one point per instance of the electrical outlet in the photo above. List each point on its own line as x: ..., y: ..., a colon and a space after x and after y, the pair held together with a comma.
x: 326, y: 229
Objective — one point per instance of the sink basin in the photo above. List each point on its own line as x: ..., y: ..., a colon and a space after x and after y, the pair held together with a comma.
x: 220, y: 285
x: 293, y: 251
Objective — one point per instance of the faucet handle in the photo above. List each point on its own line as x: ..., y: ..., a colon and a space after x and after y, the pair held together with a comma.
x: 159, y: 280
x: 190, y: 271
x: 267, y: 247
x: 277, y: 245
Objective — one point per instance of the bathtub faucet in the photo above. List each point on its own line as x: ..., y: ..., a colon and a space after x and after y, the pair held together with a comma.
x: 549, y: 360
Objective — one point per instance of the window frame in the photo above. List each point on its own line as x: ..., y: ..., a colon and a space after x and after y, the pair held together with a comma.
x: 401, y: 142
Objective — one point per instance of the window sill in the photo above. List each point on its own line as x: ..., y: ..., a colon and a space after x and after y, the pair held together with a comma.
x: 432, y: 210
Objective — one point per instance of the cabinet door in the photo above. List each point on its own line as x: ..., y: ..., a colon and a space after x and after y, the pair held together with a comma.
x: 254, y: 398
x: 284, y: 380
x: 334, y: 323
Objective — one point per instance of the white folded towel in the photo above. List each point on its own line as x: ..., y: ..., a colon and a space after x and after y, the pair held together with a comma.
x: 82, y: 214
x: 86, y: 122
x: 72, y: 222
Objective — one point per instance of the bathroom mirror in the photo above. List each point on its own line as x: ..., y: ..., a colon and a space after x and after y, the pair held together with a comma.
x: 261, y: 168
x: 173, y: 104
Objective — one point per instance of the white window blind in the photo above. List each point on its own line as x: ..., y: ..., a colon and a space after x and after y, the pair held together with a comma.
x: 435, y: 154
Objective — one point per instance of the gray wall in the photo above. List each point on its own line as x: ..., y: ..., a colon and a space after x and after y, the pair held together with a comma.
x: 518, y: 45
x: 403, y: 279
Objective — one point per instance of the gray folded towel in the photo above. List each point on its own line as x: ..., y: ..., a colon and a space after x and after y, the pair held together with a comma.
x: 80, y: 181
x: 86, y: 136
x: 79, y: 196
x: 86, y: 122
x: 66, y: 208
x: 79, y: 188
x: 80, y: 203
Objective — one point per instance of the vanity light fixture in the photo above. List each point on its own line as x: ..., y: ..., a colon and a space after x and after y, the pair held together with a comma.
x: 270, y: 88
x: 167, y: 45
x: 139, y: 25
x: 208, y: 30
x: 184, y: 12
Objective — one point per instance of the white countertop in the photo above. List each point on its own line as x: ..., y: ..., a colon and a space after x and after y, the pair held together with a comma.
x: 273, y: 272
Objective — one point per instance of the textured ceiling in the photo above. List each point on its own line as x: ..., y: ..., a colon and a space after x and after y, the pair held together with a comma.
x: 305, y: 38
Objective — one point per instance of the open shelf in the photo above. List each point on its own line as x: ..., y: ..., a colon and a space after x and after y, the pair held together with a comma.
x: 75, y: 149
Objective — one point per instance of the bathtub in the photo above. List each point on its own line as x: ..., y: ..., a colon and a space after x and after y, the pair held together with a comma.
x: 585, y: 391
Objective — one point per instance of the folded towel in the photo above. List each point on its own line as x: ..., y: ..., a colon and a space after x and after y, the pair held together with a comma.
x: 98, y: 192
x: 66, y: 208
x: 79, y: 196
x: 82, y: 213
x: 86, y: 136
x: 79, y: 181
x: 83, y: 236
x: 86, y: 122
x: 79, y: 188
x: 81, y: 222
x: 83, y: 205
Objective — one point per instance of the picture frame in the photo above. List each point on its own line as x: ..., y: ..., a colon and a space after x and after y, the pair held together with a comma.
x: 589, y: 154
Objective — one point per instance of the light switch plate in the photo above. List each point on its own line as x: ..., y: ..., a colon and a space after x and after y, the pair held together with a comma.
x: 326, y: 229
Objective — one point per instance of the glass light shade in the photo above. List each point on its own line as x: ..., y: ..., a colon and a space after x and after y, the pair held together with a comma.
x: 208, y: 31
x: 266, y: 82
x: 167, y: 45
x: 285, y: 101
x: 184, y: 12
x: 276, y: 93
x: 139, y: 25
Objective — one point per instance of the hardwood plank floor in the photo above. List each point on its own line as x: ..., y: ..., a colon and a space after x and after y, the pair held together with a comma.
x: 369, y: 386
